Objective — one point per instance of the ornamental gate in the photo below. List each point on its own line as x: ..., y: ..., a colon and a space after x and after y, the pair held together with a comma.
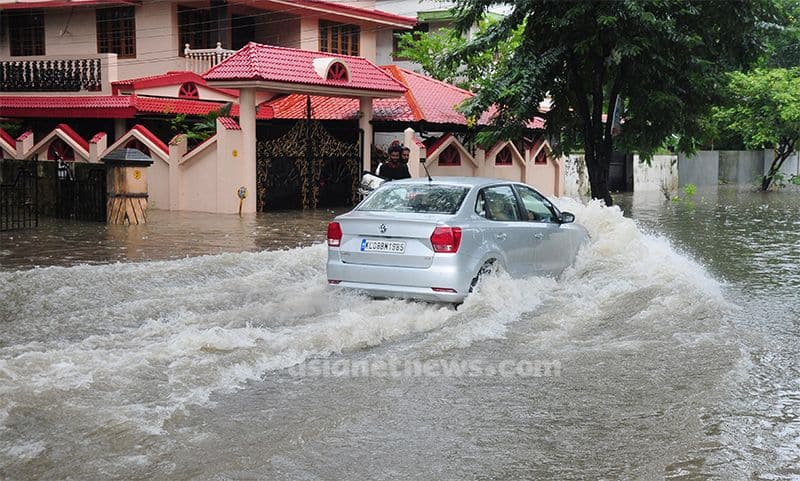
x: 82, y: 197
x: 307, y: 168
x: 19, y: 202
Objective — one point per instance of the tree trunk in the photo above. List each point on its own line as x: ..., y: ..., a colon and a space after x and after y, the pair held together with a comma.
x: 785, y: 149
x: 598, y: 166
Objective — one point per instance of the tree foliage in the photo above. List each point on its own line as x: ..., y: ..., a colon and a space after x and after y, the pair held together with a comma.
x: 663, y: 59
x: 433, y: 51
x: 763, y: 108
x: 200, y: 129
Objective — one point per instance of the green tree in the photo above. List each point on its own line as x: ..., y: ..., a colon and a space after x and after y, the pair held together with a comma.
x: 763, y: 108
x: 433, y: 51
x: 661, y: 61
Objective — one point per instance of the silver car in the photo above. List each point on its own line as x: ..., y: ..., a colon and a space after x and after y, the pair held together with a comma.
x: 432, y: 240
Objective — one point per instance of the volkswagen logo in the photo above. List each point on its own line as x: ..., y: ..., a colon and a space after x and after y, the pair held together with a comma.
x: 382, y: 228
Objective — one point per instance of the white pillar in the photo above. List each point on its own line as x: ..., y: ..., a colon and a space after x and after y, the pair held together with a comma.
x: 415, y: 152
x: 364, y: 123
x: 247, y: 121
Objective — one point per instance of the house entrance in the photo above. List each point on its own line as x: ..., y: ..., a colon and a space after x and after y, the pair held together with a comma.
x: 308, y: 167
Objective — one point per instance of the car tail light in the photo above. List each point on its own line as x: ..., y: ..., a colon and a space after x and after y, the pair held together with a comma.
x: 334, y: 234
x: 443, y: 289
x: 333, y: 281
x: 445, y: 239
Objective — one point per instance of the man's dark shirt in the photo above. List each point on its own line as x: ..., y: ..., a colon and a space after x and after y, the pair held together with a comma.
x: 394, y: 171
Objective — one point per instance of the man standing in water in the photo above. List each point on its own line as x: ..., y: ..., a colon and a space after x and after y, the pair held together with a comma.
x: 393, y: 169
x: 405, y: 154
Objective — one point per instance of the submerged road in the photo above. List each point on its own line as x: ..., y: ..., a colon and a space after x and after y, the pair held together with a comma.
x: 669, y: 351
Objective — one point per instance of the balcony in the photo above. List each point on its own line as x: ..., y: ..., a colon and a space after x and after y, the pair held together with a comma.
x: 200, y: 60
x: 69, y: 75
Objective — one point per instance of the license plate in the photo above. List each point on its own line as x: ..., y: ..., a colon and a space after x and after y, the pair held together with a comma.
x: 388, y: 247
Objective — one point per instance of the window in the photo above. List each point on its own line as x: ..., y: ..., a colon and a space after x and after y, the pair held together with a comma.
x: 339, y: 38
x: 26, y: 33
x: 450, y: 157
x: 424, y: 198
x: 541, y: 158
x: 116, y: 31
x: 503, y: 157
x: 537, y: 208
x: 197, y: 27
x: 498, y: 203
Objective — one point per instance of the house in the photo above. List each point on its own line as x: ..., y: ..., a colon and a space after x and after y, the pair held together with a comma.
x: 88, y: 76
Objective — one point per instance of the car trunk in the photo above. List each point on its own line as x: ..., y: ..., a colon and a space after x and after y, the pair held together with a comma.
x: 388, y: 239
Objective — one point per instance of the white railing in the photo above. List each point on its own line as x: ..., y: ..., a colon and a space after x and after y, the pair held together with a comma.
x: 200, y: 60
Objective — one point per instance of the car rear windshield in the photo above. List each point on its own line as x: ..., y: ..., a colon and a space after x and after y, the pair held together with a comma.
x: 420, y: 198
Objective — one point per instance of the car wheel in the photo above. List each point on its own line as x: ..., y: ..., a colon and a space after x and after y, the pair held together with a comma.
x: 486, y: 269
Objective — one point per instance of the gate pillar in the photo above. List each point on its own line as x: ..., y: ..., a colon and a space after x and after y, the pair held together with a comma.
x: 365, y: 113
x: 126, y: 181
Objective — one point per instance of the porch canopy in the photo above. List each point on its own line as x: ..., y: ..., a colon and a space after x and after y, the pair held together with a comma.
x: 282, y: 70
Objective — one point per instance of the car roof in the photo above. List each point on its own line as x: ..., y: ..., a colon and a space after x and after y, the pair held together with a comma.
x: 453, y: 180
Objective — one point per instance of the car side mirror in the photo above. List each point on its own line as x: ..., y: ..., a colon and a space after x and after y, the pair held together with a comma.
x: 567, y: 217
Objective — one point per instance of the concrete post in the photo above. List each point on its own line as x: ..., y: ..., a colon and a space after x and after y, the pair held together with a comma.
x: 127, y: 186
x: 247, y: 121
x: 178, y: 147
x: 365, y: 124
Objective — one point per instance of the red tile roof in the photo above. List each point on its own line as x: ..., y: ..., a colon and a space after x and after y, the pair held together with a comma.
x: 74, y: 136
x: 56, y: 106
x: 169, y: 78
x: 337, y: 8
x: 257, y: 62
x: 19, y: 4
x: 229, y: 123
x: 159, y: 105
x: 7, y: 138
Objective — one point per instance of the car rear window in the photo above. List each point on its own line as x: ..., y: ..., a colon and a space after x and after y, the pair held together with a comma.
x: 420, y: 198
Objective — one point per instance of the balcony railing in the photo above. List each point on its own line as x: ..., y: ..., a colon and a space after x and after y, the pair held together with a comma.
x: 200, y: 60
x: 58, y: 74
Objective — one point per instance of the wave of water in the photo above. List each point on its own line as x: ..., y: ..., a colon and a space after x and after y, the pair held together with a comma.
x: 128, y: 346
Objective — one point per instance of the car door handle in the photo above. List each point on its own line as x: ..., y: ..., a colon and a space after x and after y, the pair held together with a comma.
x: 538, y: 235
x: 501, y: 236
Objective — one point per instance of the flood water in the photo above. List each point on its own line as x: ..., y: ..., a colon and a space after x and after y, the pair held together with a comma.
x: 208, y: 347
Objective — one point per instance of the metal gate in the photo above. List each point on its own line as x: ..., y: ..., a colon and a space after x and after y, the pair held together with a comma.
x: 307, y: 168
x: 19, y: 202
x: 83, y: 199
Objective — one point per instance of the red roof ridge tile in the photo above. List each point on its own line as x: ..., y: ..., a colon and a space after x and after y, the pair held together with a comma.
x: 97, y: 137
x: 397, y: 74
x: 151, y: 137
x: 67, y: 130
x: 7, y: 137
x: 24, y: 135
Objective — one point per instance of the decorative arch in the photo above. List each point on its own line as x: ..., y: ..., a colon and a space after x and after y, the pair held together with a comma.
x: 137, y: 144
x: 504, y: 157
x: 450, y: 156
x: 333, y: 69
x: 189, y: 90
x: 59, y: 150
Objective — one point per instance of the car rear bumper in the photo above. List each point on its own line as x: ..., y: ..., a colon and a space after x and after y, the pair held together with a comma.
x: 445, y: 272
